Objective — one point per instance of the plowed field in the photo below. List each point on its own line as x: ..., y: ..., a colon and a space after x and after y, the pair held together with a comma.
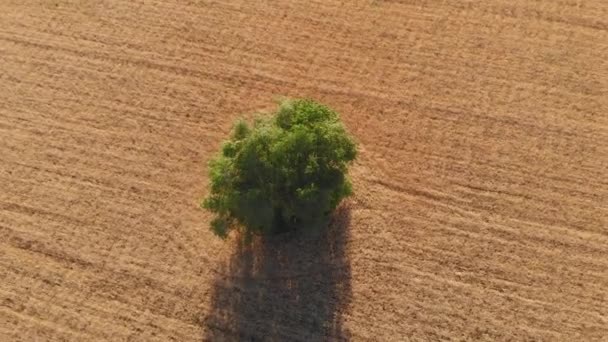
x: 481, y: 205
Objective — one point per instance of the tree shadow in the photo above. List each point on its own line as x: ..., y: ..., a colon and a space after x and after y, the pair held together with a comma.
x: 290, y: 287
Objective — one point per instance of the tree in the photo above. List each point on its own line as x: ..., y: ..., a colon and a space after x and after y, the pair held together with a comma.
x: 284, y: 172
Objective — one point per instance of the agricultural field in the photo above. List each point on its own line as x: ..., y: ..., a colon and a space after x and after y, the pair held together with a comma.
x: 480, y: 210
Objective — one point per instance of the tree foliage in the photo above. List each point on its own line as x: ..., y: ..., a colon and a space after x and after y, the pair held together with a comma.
x: 283, y: 172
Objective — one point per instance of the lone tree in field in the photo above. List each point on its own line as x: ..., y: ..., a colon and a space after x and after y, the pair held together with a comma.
x: 286, y: 171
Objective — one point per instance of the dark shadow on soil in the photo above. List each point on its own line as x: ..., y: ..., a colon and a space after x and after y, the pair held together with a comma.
x: 284, y: 288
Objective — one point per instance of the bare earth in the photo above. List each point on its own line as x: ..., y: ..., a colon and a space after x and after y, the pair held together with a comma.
x: 481, y: 206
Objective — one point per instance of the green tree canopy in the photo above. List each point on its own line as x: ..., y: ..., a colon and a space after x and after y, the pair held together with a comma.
x: 285, y: 171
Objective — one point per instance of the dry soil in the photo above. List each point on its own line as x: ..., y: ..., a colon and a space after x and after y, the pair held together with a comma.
x: 481, y: 206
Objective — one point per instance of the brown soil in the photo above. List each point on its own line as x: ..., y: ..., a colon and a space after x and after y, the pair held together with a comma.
x: 481, y: 206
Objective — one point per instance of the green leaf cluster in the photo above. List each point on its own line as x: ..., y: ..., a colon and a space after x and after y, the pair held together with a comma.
x: 283, y: 172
